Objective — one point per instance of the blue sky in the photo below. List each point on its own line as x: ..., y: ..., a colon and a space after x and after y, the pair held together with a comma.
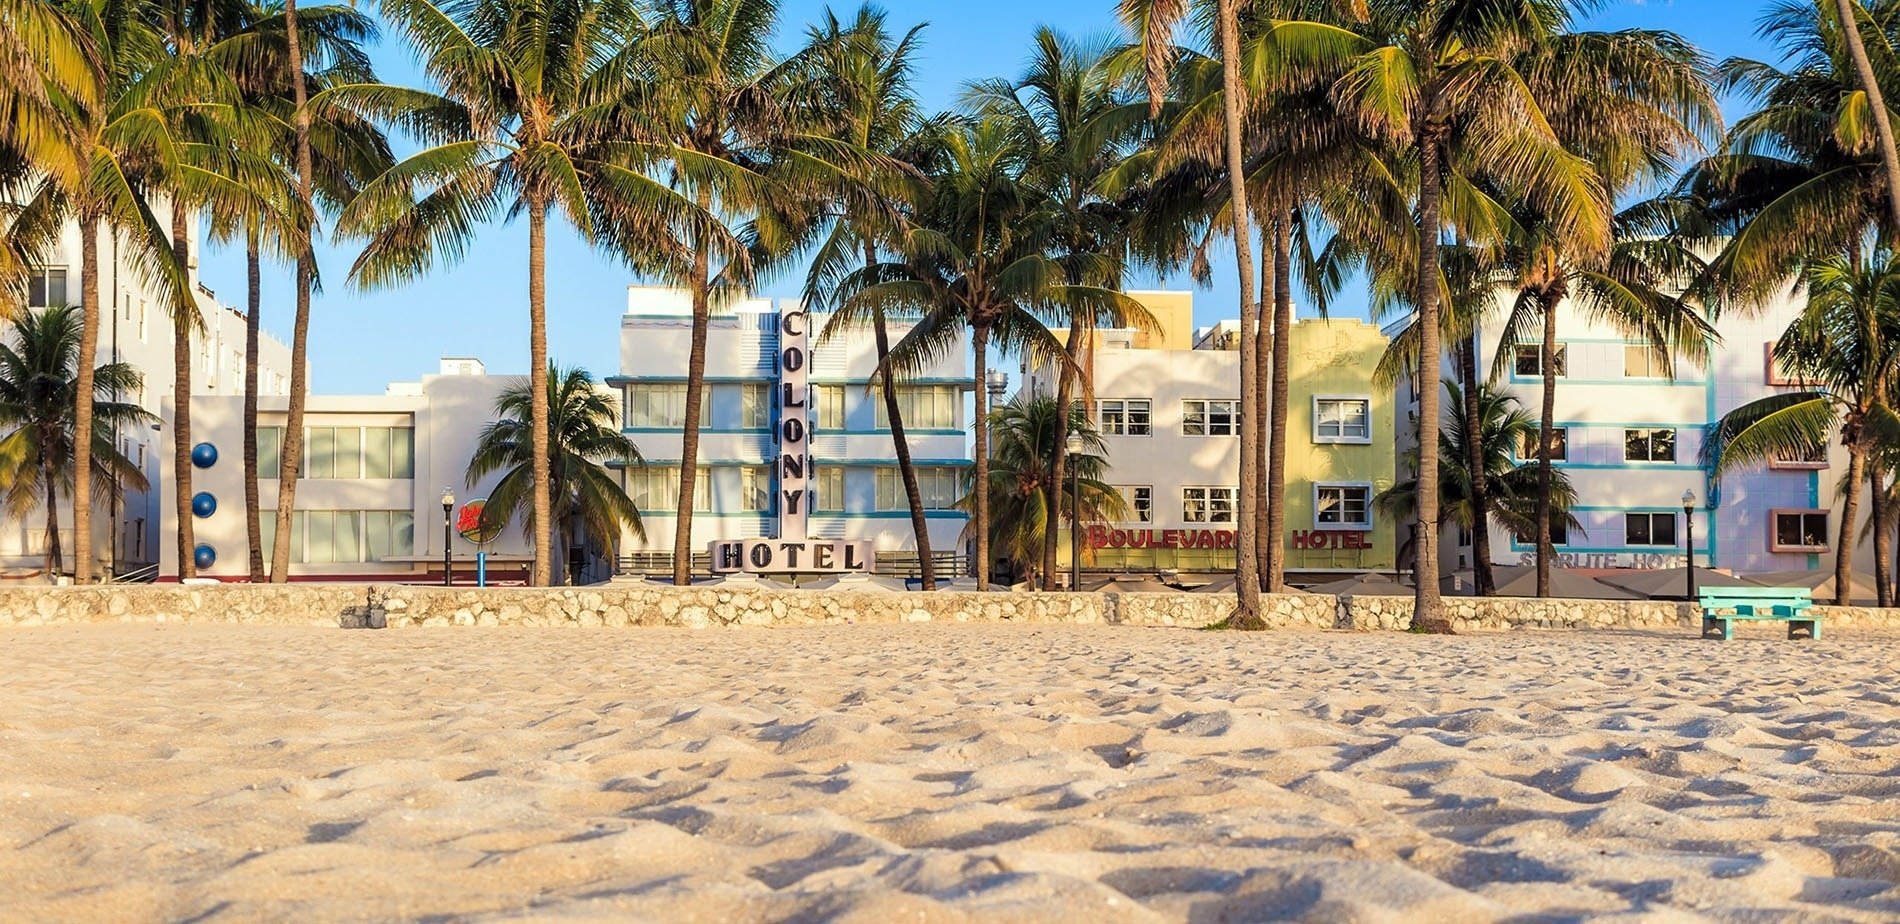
x: 478, y: 307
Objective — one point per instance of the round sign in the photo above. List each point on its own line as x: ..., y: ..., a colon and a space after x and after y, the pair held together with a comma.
x: 204, y: 455
x: 205, y: 556
x: 204, y: 504
x: 475, y: 525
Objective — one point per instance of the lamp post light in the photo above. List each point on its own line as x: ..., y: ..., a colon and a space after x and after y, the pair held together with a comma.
x: 1075, y: 447
x: 448, y: 532
x: 1688, y: 537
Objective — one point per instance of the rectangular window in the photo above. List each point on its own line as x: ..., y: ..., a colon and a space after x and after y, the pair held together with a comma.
x: 270, y: 443
x: 830, y: 400
x: 755, y: 406
x: 46, y: 288
x: 655, y: 489
x: 755, y: 488
x: 319, y: 444
x: 1342, y: 506
x: 1127, y: 417
x: 925, y: 407
x: 1799, y: 531
x: 1141, y: 503
x: 1210, y: 417
x: 388, y: 452
x: 1813, y: 458
x: 1342, y: 420
x: 1529, y: 361
x: 656, y: 405
x: 389, y: 534
x: 1559, y: 444
x: 937, y: 485
x: 1649, y: 445
x: 1649, y: 529
x: 1559, y: 534
x: 828, y: 490
x: 1782, y: 372
x: 1641, y: 362
x: 1209, y: 504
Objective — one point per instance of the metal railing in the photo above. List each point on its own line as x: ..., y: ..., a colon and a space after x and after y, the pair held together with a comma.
x: 143, y: 575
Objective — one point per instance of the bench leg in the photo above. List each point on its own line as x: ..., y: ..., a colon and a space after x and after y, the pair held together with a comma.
x: 1811, y: 626
x: 1718, y: 627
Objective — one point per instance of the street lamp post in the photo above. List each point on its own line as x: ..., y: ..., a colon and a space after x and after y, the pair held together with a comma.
x: 448, y: 532
x: 995, y: 385
x: 1075, y: 447
x: 1688, y: 537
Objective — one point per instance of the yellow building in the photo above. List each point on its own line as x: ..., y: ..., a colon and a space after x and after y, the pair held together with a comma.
x: 1168, y: 406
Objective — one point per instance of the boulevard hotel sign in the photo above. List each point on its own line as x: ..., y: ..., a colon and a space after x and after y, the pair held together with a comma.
x: 792, y: 552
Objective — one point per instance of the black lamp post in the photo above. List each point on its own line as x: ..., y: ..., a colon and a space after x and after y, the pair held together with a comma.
x: 1688, y: 537
x: 1075, y: 447
x: 448, y: 532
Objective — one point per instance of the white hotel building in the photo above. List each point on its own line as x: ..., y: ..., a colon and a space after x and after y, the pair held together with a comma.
x: 1631, y: 439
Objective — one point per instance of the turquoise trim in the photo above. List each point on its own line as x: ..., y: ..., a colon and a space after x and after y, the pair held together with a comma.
x: 816, y: 515
x: 902, y: 382
x: 703, y: 463
x: 765, y: 377
x: 1611, y: 549
x: 1711, y: 489
x: 1624, y: 466
x: 705, y: 431
x: 891, y: 463
x: 1814, y: 503
x: 1657, y: 382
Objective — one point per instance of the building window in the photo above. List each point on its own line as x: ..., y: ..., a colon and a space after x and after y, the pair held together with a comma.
x: 655, y: 489
x: 46, y: 288
x: 1529, y: 361
x: 1342, y: 420
x: 926, y: 407
x: 388, y: 452
x: 333, y: 452
x: 1559, y: 444
x: 830, y: 399
x: 327, y: 537
x: 1811, y: 459
x: 1641, y: 362
x: 1141, y: 502
x: 1799, y: 531
x: 755, y: 488
x: 755, y: 406
x: 1209, y: 504
x: 1127, y: 417
x: 1649, y: 445
x: 828, y: 490
x: 1780, y: 372
x: 1342, y: 506
x: 1559, y: 534
x: 1651, y: 529
x: 1208, y: 417
x: 389, y: 534
x: 270, y: 445
x: 937, y: 485
x: 656, y: 405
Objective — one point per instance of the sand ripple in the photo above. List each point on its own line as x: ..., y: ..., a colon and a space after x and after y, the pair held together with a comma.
x: 925, y: 773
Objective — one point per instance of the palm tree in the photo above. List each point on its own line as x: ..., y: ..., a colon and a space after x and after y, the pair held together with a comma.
x: 1440, y: 80
x: 863, y: 79
x: 1849, y: 13
x: 1070, y: 106
x: 536, y: 95
x: 1847, y: 340
x: 583, y: 434
x: 48, y: 67
x: 1025, y: 508
x: 38, y: 448
x: 1512, y: 501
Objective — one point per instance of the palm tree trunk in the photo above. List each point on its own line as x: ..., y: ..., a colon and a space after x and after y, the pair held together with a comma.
x: 1428, y: 611
x: 1876, y: 101
x: 254, y: 306
x: 1546, y: 429
x: 689, y: 432
x: 182, y: 329
x: 919, y: 522
x: 1850, y: 513
x: 538, y: 403
x: 1883, y: 537
x: 1233, y: 104
x: 980, y: 344
x: 1260, y: 424
x: 1059, y: 458
x: 54, y: 564
x: 89, y: 315
x: 290, y: 453
x: 1274, y: 539
x: 1481, y: 571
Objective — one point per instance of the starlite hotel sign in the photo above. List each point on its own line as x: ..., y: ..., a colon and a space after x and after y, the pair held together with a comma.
x: 793, y: 551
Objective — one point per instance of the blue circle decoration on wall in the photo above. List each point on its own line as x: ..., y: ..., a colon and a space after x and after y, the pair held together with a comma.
x: 204, y: 455
x: 205, y: 556
x: 203, y: 504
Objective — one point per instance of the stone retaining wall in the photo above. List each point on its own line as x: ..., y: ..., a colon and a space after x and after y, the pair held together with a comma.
x: 620, y: 605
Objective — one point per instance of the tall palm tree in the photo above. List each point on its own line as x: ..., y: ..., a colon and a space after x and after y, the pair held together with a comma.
x: 1071, y: 107
x: 536, y: 97
x: 1025, y: 510
x: 1850, y: 13
x: 1439, y: 80
x: 863, y: 81
x: 1847, y: 339
x: 583, y: 434
x: 39, y: 363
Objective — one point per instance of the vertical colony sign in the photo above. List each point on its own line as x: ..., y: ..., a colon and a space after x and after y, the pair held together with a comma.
x: 792, y: 552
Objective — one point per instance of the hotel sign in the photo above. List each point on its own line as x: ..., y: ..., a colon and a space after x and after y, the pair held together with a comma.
x: 792, y: 552
x: 1316, y: 540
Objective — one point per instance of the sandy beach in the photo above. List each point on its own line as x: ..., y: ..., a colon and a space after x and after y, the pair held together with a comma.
x: 926, y: 773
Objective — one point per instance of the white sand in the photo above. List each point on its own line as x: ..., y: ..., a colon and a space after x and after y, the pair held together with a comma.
x: 944, y: 774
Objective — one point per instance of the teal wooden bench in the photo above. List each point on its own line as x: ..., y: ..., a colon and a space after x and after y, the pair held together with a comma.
x: 1722, y: 607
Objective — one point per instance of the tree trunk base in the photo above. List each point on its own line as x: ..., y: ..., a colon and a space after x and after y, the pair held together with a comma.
x: 1242, y: 622
x: 1431, y: 626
